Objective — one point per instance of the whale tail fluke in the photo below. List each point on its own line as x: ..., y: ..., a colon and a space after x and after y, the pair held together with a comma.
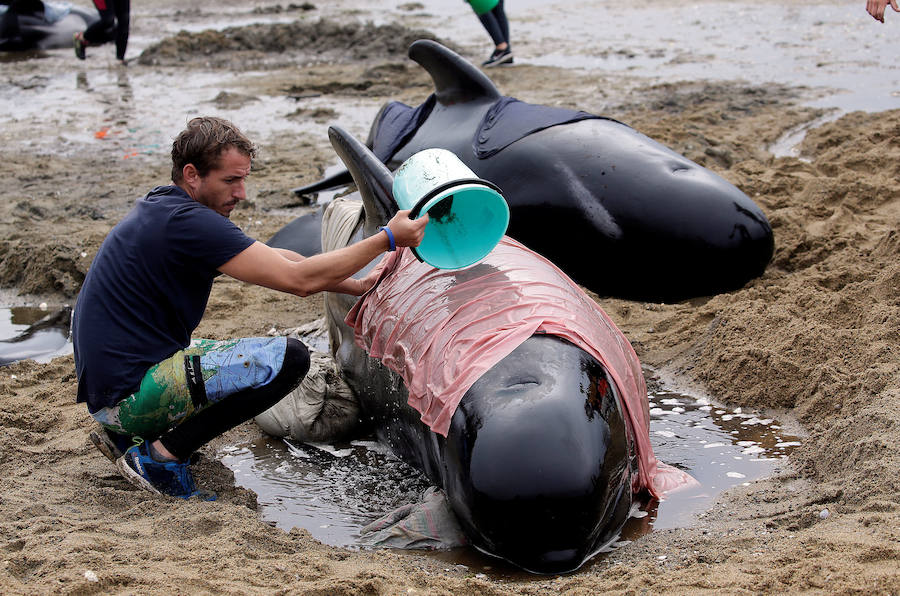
x: 372, y: 177
x: 456, y: 80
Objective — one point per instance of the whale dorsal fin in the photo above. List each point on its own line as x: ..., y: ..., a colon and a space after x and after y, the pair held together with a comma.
x: 455, y: 79
x: 371, y: 176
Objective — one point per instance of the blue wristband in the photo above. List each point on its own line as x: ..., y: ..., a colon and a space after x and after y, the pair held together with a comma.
x: 390, y: 237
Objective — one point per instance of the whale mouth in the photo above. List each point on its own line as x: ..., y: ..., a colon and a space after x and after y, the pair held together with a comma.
x: 552, y: 535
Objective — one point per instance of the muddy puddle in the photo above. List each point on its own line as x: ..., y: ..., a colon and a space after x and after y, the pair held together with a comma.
x: 333, y: 491
x: 830, y: 50
x: 132, y: 130
x: 39, y: 333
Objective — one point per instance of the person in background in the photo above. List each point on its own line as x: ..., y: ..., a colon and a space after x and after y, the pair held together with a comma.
x: 141, y: 376
x: 497, y: 26
x: 876, y: 8
x: 115, y: 20
x: 10, y: 32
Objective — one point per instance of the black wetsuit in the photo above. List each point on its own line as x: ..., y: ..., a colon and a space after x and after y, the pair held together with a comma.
x: 496, y: 24
x: 115, y: 17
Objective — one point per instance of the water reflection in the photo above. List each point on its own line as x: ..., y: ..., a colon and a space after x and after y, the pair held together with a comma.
x: 40, y: 333
x: 721, y: 447
x: 123, y: 82
x: 331, y: 491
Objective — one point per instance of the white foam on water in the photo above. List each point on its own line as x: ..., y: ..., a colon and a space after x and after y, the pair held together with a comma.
x: 720, y: 446
x: 710, y: 445
x: 755, y: 420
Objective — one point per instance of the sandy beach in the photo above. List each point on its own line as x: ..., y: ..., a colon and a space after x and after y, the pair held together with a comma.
x: 815, y: 340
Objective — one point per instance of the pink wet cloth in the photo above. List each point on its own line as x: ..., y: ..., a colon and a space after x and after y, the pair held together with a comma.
x: 440, y: 330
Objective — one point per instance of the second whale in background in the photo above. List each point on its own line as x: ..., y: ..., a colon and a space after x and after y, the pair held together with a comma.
x: 620, y: 213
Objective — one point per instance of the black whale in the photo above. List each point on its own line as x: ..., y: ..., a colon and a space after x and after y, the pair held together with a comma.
x: 617, y: 211
x: 538, y: 463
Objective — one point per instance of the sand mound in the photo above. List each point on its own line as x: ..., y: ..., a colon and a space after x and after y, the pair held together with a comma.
x: 300, y: 42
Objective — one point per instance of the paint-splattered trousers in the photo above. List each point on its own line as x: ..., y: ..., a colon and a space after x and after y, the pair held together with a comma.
x: 206, y: 389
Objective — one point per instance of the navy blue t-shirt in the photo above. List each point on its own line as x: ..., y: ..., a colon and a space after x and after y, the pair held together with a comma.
x: 146, y: 291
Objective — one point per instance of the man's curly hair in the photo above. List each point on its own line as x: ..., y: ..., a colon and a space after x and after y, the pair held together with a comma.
x: 203, y: 142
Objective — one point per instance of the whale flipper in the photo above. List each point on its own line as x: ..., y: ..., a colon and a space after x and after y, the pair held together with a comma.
x: 372, y: 178
x: 303, y: 235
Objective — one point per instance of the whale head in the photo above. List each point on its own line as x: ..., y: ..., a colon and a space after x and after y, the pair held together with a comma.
x: 536, y: 462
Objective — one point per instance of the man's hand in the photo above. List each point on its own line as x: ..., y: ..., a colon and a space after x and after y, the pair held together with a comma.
x: 409, y: 232
x: 366, y: 283
x: 876, y: 8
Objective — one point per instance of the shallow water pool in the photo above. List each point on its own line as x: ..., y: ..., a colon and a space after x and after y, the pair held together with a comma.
x: 332, y: 491
x: 25, y: 334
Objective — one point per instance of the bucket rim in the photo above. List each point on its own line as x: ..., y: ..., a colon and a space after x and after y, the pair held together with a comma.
x: 414, y: 212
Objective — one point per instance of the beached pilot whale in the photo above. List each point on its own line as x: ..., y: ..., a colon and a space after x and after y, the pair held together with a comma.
x: 620, y: 213
x: 36, y: 25
x: 503, y: 382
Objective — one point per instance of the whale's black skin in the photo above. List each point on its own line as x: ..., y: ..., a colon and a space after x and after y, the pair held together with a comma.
x: 303, y: 235
x: 47, y: 336
x: 537, y: 466
x: 31, y: 30
x: 617, y: 211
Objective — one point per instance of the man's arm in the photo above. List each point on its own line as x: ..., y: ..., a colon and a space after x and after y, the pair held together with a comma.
x: 348, y: 286
x: 290, y: 272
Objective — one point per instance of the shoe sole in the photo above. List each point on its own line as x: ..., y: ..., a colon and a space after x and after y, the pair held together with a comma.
x: 505, y: 60
x: 105, y: 446
x: 133, y: 477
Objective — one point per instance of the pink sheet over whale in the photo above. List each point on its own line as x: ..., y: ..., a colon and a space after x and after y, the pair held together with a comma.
x: 440, y: 330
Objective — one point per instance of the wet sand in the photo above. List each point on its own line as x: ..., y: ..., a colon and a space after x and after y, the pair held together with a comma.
x: 814, y: 339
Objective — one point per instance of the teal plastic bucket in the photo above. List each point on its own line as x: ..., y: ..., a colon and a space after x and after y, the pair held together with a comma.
x: 483, y: 6
x: 467, y: 216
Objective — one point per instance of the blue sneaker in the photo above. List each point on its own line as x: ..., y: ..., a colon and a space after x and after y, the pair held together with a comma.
x: 167, y: 478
